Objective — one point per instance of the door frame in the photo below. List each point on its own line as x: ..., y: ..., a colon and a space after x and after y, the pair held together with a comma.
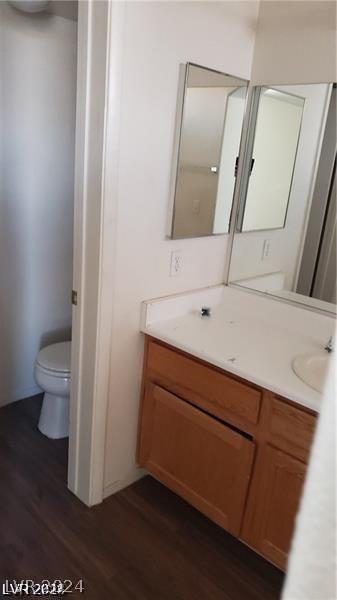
x: 94, y: 244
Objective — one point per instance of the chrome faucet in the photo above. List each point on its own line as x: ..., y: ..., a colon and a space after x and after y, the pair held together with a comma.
x: 329, y: 345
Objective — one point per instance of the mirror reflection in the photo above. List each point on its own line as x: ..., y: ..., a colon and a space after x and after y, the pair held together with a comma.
x: 296, y: 192
x: 277, y: 129
x: 209, y: 139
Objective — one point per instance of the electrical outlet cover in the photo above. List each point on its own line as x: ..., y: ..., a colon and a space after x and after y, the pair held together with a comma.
x: 176, y: 263
x: 266, y: 249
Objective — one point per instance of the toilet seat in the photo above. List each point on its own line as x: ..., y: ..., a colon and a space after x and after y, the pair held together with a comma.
x: 55, y: 359
x: 51, y: 373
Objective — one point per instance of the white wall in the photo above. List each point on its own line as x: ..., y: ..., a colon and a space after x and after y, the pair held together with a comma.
x: 157, y: 38
x: 37, y: 120
x: 295, y: 42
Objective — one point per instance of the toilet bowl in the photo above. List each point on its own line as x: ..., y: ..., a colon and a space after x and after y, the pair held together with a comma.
x: 52, y: 374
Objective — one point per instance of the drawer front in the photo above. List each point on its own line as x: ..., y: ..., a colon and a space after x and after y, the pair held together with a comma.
x: 291, y: 426
x: 197, y: 457
x: 215, y: 392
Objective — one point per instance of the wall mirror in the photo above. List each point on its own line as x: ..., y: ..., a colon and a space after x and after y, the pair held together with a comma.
x: 276, y: 124
x: 208, y: 134
x: 285, y: 234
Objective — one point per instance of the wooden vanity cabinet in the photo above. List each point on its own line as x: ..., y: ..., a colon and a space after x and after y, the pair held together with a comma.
x: 273, y: 504
x: 196, y: 456
x: 283, y: 441
x: 234, y: 451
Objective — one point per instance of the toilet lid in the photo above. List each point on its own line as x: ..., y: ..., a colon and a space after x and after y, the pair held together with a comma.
x: 55, y: 357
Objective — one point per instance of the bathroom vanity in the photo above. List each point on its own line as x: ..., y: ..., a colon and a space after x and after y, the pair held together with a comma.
x: 233, y: 446
x: 231, y: 379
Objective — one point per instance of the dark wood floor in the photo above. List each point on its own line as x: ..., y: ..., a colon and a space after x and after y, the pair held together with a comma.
x: 144, y: 543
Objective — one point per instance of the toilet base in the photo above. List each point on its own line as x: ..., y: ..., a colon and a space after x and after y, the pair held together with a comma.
x: 54, y: 417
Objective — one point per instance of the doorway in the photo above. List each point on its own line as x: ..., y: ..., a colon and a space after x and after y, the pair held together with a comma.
x: 56, y: 33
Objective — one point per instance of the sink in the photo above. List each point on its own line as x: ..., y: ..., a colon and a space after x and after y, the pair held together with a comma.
x: 312, y: 369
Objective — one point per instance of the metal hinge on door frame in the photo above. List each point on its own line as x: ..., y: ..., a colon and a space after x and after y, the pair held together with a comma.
x: 74, y: 297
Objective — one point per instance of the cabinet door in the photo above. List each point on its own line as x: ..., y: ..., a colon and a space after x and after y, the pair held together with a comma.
x: 273, y: 504
x: 196, y: 456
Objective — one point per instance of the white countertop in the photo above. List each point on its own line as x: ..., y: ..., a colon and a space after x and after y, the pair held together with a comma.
x: 248, y: 335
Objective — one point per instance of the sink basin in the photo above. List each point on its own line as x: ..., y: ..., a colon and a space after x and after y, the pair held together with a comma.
x: 312, y: 369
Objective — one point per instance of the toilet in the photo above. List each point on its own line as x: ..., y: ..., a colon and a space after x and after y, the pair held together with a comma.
x: 52, y: 374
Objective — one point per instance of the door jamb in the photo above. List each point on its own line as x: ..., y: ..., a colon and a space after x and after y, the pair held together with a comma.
x: 94, y: 241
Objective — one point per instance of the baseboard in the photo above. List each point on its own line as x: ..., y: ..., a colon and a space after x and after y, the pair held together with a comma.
x: 19, y: 394
x: 120, y: 484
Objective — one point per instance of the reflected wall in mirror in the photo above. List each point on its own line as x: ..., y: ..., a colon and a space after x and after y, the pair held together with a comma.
x: 208, y: 136
x: 277, y: 118
x: 298, y: 261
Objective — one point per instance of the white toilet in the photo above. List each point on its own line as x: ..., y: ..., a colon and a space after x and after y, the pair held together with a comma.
x: 52, y: 374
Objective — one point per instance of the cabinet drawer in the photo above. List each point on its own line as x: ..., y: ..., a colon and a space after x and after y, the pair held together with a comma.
x: 197, y: 457
x: 291, y: 428
x: 215, y: 392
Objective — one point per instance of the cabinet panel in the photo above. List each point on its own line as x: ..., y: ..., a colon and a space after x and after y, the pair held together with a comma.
x: 199, y: 458
x: 215, y: 392
x: 273, y: 504
x: 291, y: 428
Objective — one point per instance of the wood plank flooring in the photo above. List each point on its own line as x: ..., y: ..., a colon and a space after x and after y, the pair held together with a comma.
x: 144, y: 543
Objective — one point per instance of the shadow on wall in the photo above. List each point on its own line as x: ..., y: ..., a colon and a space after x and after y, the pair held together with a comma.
x: 53, y: 337
x: 19, y: 325
x: 12, y: 305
